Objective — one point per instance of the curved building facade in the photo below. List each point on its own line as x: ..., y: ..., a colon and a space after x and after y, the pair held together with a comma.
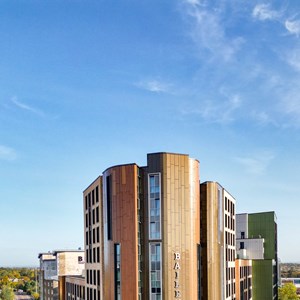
x: 148, y: 232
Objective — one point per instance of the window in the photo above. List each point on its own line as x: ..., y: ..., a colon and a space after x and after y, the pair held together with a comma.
x: 154, y: 206
x: 117, y: 254
x: 97, y: 194
x: 155, y: 264
x: 97, y: 214
x: 86, y: 220
x: 108, y: 207
x: 242, y: 235
x: 98, y: 254
x: 98, y: 235
x: 242, y: 246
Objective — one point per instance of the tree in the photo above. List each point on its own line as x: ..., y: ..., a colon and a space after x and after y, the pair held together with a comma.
x: 36, y: 296
x: 7, y: 293
x: 288, y: 292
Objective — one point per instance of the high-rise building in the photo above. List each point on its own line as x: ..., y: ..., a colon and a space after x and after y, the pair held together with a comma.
x: 153, y: 232
x: 93, y: 239
x: 257, y: 240
x: 217, y: 233
x: 142, y: 230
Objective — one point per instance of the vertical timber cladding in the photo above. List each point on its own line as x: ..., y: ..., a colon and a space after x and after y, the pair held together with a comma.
x: 180, y: 223
x: 123, y: 214
x: 212, y: 241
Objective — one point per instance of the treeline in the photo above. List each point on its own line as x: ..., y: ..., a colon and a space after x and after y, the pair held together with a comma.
x: 18, y: 280
x: 290, y: 270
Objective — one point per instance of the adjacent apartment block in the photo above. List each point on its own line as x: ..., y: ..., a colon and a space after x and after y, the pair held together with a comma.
x: 47, y: 284
x: 142, y: 230
x: 243, y: 278
x: 217, y: 223
x: 54, y: 268
x: 75, y: 288
x: 257, y: 240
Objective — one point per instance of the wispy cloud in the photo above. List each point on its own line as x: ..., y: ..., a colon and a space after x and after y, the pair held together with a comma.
x: 263, y: 118
x: 256, y: 164
x: 221, y: 112
x: 208, y: 31
x: 154, y: 86
x: 293, y: 27
x: 290, y: 104
x: 293, y: 58
x: 26, y: 107
x: 7, y: 153
x: 264, y: 12
x: 192, y: 2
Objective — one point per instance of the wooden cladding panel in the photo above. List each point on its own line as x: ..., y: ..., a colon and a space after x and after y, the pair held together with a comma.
x: 124, y: 232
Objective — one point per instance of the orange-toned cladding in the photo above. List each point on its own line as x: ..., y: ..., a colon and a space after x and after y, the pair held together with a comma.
x: 180, y: 217
x: 212, y: 258
x: 243, y: 279
x: 120, y: 218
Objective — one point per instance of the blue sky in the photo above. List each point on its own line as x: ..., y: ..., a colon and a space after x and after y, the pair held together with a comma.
x: 90, y: 84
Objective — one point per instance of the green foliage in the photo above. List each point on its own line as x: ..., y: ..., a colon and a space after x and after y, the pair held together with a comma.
x: 19, y: 279
x: 7, y: 293
x: 288, y: 292
x: 36, y: 296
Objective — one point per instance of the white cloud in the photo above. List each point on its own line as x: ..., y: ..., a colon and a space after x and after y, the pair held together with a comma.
x: 263, y: 12
x: 290, y: 103
x: 293, y: 27
x: 293, y: 58
x: 263, y: 118
x: 7, y: 153
x: 193, y: 2
x: 208, y: 31
x: 26, y: 107
x: 215, y: 111
x: 154, y: 86
x: 256, y: 164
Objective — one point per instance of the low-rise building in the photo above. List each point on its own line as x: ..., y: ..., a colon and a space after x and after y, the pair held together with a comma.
x: 243, y: 278
x: 54, y: 267
x: 75, y: 288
